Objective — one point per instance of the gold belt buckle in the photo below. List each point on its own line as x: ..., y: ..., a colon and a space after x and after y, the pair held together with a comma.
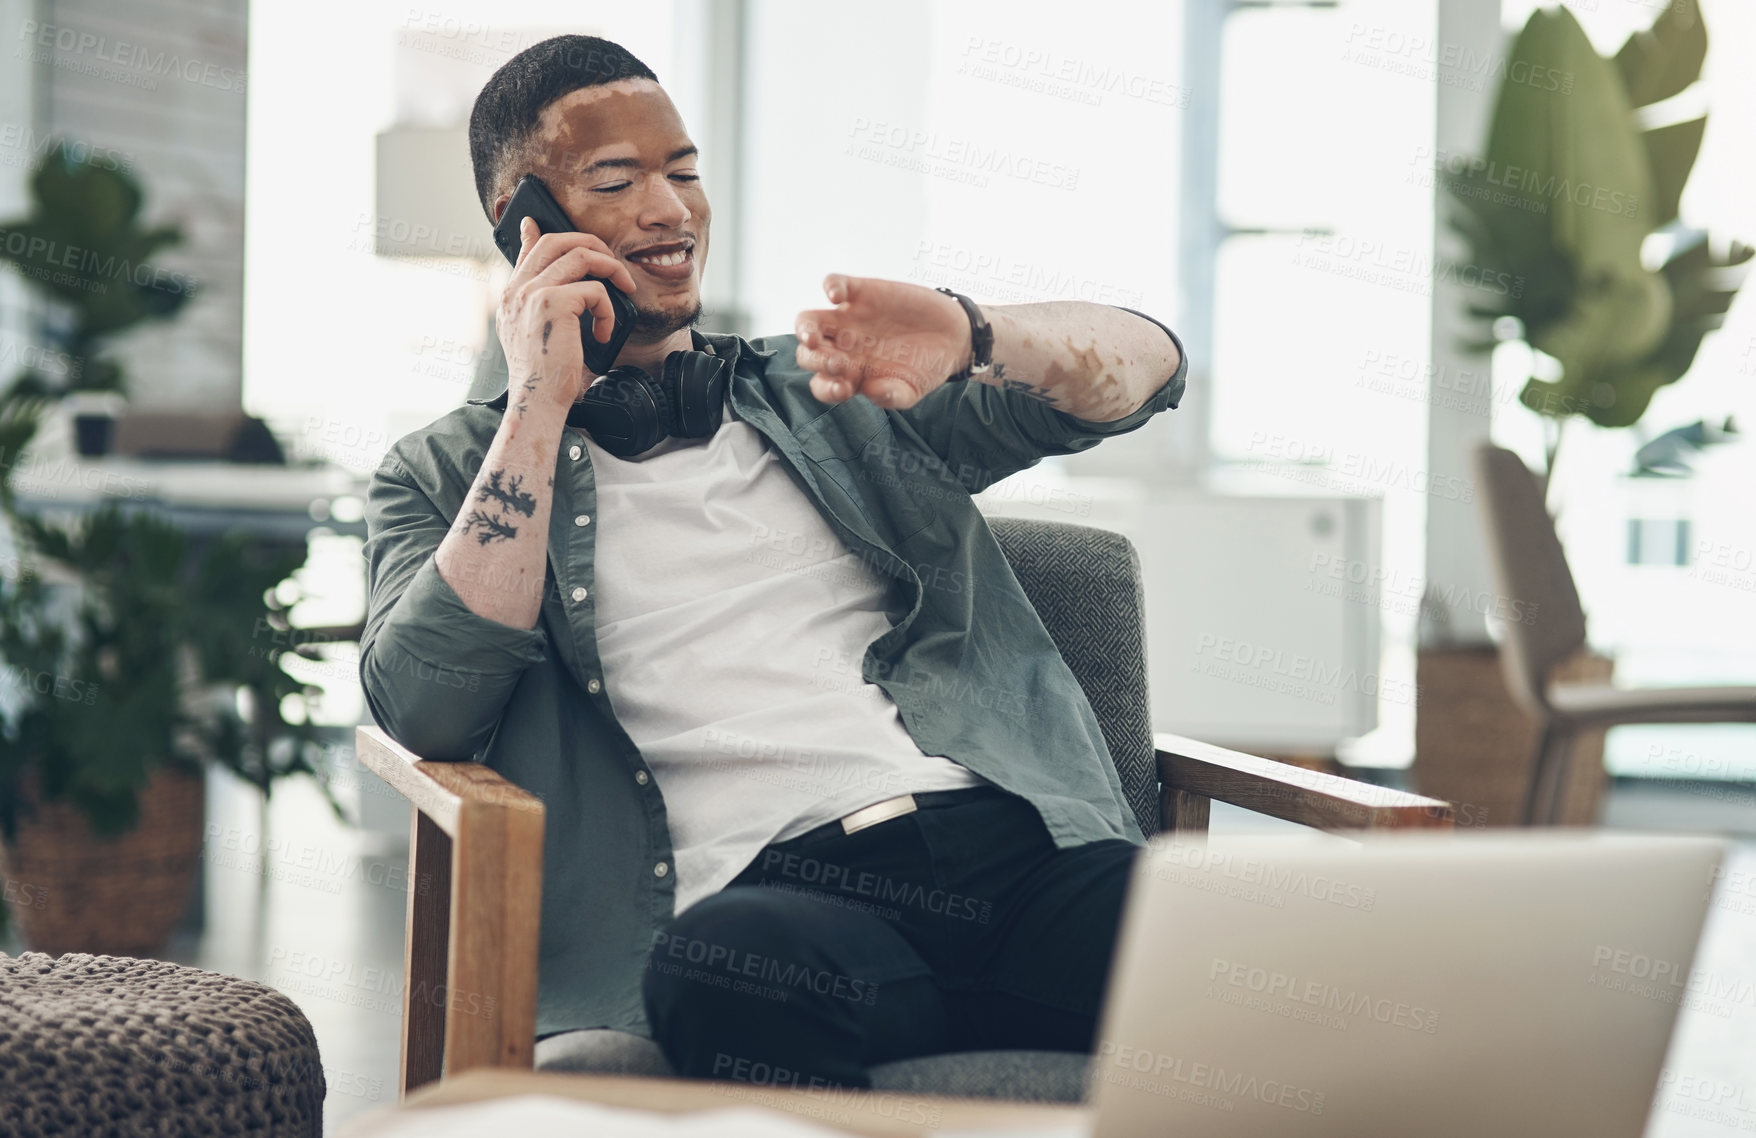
x: 878, y: 812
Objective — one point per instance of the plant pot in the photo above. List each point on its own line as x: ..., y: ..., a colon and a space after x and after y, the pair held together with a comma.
x: 69, y: 891
x: 1475, y: 748
x: 93, y: 434
x: 94, y: 415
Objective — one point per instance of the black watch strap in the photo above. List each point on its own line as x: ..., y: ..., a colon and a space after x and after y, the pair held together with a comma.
x: 981, y: 339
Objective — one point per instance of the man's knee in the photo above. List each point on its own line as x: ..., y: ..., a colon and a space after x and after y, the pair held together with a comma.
x: 714, y: 947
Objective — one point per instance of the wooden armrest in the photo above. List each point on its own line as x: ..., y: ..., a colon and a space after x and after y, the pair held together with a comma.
x: 1192, y: 773
x: 440, y: 790
x: 475, y: 901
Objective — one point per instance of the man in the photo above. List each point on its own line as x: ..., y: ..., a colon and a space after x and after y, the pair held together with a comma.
x: 820, y: 791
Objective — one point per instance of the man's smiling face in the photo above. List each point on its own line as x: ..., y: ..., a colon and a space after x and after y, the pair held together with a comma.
x: 617, y: 159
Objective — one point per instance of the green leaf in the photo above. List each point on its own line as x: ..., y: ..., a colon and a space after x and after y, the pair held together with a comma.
x: 1665, y: 59
x: 1572, y: 147
x: 21, y: 412
x: 83, y: 246
x: 1564, y: 197
x: 1704, y: 287
x: 1628, y: 397
x: 1670, y: 154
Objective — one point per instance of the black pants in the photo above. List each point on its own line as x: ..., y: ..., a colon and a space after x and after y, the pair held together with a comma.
x: 959, y: 927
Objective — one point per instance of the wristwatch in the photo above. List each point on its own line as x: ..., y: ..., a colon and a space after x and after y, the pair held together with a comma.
x: 981, y: 340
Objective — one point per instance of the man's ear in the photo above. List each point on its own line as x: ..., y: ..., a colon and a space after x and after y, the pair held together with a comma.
x: 500, y: 206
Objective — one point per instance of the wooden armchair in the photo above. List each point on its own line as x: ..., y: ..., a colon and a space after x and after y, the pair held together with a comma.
x: 475, y: 854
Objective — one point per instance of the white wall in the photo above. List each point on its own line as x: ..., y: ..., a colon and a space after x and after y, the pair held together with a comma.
x: 999, y: 149
x: 166, y: 85
x: 347, y: 351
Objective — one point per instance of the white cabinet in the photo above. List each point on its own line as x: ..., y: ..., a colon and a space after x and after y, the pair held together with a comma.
x: 1261, y: 609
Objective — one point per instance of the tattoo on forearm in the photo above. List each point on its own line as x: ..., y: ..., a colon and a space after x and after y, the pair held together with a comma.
x: 494, y: 526
x: 524, y: 393
x: 508, y: 494
x: 488, y: 527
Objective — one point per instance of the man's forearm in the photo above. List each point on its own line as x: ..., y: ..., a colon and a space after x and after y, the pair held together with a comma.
x: 1091, y: 361
x: 496, y: 554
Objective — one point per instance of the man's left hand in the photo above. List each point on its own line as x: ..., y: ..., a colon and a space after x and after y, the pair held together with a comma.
x: 894, y: 343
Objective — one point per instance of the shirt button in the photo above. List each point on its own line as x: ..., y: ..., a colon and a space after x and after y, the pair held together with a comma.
x: 582, y: 520
x: 579, y: 592
x: 642, y: 777
x: 660, y: 869
x: 574, y: 453
x: 594, y: 687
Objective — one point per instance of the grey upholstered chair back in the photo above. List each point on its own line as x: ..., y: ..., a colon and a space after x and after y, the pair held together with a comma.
x: 1084, y: 583
x: 1530, y: 568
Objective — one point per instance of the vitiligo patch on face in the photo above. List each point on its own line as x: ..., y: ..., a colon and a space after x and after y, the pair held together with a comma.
x: 627, y: 119
x: 632, y: 122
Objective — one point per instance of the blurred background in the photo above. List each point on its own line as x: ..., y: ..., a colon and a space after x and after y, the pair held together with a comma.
x: 243, y: 256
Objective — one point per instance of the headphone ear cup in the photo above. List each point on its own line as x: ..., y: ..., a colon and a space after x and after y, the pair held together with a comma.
x: 625, y: 412
x: 695, y: 383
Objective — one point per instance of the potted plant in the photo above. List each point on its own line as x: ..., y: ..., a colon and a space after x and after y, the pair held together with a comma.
x: 130, y: 650
x: 1572, y: 195
x: 84, y: 252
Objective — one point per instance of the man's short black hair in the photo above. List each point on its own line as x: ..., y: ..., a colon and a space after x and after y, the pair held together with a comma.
x: 511, y: 102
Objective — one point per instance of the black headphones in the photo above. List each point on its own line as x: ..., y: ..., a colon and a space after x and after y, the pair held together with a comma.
x: 628, y: 412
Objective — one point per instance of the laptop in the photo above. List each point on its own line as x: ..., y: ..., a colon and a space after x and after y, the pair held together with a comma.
x: 1501, y: 984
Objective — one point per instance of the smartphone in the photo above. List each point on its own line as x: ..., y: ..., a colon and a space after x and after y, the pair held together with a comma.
x: 532, y: 199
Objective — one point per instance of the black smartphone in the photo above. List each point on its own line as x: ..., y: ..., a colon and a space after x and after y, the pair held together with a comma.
x: 532, y: 199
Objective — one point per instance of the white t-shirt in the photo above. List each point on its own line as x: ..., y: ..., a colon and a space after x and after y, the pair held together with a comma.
x: 732, y: 622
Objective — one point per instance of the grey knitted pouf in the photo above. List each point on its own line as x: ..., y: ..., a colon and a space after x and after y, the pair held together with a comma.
x: 110, y: 1046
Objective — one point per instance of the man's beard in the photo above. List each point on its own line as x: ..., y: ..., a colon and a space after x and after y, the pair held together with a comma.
x: 655, y: 325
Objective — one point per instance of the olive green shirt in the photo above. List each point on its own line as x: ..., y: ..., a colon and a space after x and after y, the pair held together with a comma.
x: 973, y: 672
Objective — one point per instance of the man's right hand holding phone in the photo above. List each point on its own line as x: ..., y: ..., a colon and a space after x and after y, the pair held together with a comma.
x: 494, y: 554
x: 540, y: 312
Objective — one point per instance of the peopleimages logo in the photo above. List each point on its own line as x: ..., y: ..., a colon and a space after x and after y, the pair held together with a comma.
x: 1166, y: 1070
x: 1254, y: 871
x: 795, y: 768
x: 137, y: 62
x: 19, y: 142
x: 1264, y: 662
x: 829, y: 875
x: 1282, y: 985
x: 928, y: 151
x: 86, y: 266
x: 1531, y: 187
x: 1453, y: 64
x: 1049, y: 72
x: 24, y: 678
x: 1710, y: 1099
x: 1366, y: 583
x: 780, y: 973
x: 1394, y: 266
x: 984, y: 270
x: 1321, y: 464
